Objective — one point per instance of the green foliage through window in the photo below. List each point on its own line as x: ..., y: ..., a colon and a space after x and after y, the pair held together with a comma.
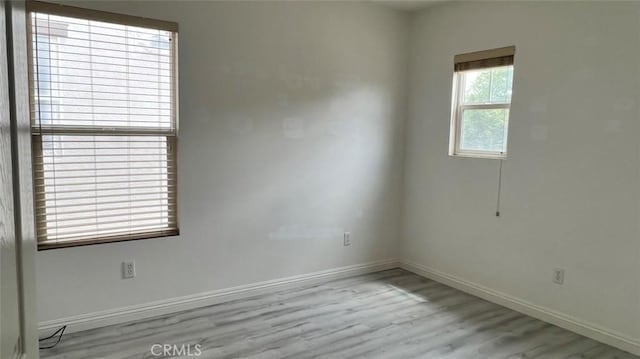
x: 484, y: 109
x: 484, y: 130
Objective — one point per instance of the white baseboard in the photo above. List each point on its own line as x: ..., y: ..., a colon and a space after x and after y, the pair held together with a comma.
x: 148, y: 310
x: 562, y: 320
x: 162, y: 307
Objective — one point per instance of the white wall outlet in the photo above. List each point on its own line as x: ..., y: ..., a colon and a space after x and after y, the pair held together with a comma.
x: 347, y: 239
x: 128, y: 269
x: 558, y: 276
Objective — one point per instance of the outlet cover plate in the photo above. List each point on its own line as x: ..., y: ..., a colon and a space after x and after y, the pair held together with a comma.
x: 128, y: 269
x: 558, y: 276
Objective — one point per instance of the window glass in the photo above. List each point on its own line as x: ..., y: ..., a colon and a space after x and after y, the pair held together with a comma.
x: 484, y: 130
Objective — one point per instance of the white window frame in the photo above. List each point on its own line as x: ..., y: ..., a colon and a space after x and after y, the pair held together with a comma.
x: 458, y: 108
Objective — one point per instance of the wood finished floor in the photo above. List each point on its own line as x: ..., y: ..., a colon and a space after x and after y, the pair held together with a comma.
x: 390, y: 314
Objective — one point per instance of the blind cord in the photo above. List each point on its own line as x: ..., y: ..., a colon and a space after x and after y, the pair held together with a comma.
x: 499, y: 189
x: 61, y: 331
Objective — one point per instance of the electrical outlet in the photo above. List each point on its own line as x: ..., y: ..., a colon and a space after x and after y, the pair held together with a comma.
x: 347, y: 239
x: 558, y: 276
x: 128, y: 269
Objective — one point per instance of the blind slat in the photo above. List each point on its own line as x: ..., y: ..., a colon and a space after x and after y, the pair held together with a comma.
x: 128, y: 188
x: 162, y: 59
x: 158, y: 195
x: 98, y: 150
x: 43, y: 207
x: 111, y: 230
x: 98, y: 92
x: 98, y: 100
x: 109, y: 225
x: 93, y: 61
x: 105, y: 209
x: 112, y: 236
x: 99, y: 130
x: 102, y: 183
x: 91, y: 43
x: 161, y: 79
x: 170, y: 172
x: 103, y: 219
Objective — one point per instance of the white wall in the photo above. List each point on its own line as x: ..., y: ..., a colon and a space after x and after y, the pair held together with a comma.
x: 291, y: 127
x: 571, y: 184
x: 292, y: 132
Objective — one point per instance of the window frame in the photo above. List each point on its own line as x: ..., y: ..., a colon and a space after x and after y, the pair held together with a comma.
x: 458, y: 108
x: 39, y: 131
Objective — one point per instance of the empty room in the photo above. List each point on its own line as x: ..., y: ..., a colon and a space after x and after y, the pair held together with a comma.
x: 319, y: 179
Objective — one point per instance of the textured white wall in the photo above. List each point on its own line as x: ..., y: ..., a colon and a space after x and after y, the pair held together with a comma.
x: 292, y: 131
x: 571, y: 184
x: 291, y: 126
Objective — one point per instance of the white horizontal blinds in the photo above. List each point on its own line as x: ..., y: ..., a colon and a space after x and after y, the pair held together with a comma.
x: 100, y: 75
x: 101, y: 186
x: 103, y: 109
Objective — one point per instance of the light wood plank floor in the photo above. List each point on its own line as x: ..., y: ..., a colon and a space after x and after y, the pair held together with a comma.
x: 390, y: 314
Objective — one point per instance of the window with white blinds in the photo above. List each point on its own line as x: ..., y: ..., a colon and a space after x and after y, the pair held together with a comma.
x: 104, y: 125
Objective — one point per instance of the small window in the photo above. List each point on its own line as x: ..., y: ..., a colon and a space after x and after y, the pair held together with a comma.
x: 104, y: 125
x: 481, y: 102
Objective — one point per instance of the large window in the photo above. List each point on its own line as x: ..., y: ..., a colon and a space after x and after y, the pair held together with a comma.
x: 481, y: 103
x: 104, y: 125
